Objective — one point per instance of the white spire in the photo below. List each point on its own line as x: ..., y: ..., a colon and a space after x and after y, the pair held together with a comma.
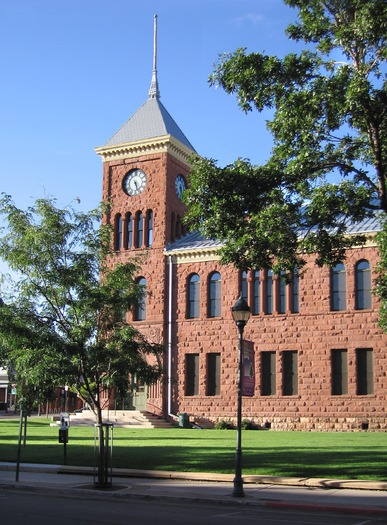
x: 154, y: 87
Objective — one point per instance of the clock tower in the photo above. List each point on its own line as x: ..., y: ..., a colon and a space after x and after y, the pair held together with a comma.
x: 145, y: 170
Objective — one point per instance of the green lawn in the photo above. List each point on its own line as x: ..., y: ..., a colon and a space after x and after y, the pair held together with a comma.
x: 354, y: 455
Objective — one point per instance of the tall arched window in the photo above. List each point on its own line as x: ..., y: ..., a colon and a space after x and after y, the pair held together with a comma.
x: 139, y: 231
x: 295, y: 292
x: 244, y: 286
x: 149, y: 228
x: 338, y: 287
x: 129, y: 231
x: 215, y: 295
x: 363, y: 285
x: 269, y: 292
x: 140, y: 307
x: 256, y: 292
x: 193, y: 296
x: 281, y: 292
x: 118, y: 232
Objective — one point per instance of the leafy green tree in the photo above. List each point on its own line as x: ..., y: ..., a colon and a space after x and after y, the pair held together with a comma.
x: 329, y: 159
x: 61, y: 318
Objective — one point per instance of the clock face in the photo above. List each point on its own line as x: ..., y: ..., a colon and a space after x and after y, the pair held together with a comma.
x: 180, y: 185
x: 134, y: 182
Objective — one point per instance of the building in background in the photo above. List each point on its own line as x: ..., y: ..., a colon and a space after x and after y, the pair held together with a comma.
x: 320, y: 359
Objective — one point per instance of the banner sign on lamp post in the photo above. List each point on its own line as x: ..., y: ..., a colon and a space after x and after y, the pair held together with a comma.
x: 248, y: 369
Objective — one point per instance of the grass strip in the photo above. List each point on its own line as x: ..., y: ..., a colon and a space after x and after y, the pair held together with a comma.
x: 341, y: 455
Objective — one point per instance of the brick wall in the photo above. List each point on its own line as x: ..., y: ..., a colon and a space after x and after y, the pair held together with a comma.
x: 312, y: 333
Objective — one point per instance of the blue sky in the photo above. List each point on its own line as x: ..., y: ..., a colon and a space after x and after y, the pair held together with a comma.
x: 73, y: 72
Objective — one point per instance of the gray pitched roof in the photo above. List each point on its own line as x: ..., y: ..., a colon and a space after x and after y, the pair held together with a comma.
x: 196, y: 241
x: 151, y: 120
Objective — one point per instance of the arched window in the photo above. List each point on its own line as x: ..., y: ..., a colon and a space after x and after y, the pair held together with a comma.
x: 215, y: 295
x: 118, y: 233
x: 269, y: 292
x: 140, y: 307
x: 139, y: 231
x: 338, y: 287
x: 256, y: 292
x: 193, y: 296
x: 295, y: 292
x: 281, y: 293
x: 244, y: 287
x: 363, y: 285
x: 129, y: 231
x: 149, y: 228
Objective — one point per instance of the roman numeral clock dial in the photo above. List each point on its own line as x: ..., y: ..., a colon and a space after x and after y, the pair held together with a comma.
x: 134, y: 182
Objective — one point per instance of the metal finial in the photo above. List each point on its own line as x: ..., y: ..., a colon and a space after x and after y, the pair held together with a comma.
x: 154, y: 87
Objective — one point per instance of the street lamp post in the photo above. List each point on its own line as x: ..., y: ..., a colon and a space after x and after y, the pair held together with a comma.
x: 241, y: 314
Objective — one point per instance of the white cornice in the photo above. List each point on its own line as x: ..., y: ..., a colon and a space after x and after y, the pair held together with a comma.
x: 164, y: 144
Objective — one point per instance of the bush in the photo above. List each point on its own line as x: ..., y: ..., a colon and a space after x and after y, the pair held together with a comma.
x: 224, y: 425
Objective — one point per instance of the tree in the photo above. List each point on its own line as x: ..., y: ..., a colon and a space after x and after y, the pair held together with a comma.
x: 62, y: 318
x: 328, y: 165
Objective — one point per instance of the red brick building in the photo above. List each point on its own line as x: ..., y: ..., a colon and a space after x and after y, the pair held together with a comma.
x: 320, y: 360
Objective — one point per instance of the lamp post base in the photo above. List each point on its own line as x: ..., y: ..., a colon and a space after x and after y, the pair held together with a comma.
x: 238, y: 491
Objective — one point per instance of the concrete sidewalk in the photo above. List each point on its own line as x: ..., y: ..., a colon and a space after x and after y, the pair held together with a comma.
x: 355, y: 497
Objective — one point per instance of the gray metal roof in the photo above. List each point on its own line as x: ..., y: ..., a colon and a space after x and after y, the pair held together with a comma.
x: 151, y: 120
x: 193, y: 241
x: 196, y: 241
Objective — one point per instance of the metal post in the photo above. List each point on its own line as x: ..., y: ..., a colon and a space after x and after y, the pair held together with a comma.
x: 238, y: 481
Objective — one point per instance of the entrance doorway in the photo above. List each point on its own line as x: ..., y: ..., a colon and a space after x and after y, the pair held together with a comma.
x: 136, y: 398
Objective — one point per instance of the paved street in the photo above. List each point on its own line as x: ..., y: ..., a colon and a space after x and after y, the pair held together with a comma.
x: 26, y: 508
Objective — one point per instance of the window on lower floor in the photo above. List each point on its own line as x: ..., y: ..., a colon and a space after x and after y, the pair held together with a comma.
x: 290, y: 373
x: 364, y: 371
x: 213, y: 374
x: 339, y: 371
x: 192, y: 374
x: 268, y: 374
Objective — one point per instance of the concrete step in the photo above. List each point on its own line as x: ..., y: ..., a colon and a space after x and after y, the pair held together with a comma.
x: 119, y: 418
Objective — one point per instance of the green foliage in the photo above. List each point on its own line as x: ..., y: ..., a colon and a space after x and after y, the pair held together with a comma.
x: 329, y: 125
x: 61, y: 317
x: 223, y: 424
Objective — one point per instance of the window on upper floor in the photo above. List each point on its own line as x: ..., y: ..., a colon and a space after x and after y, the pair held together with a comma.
x: 193, y: 302
x: 140, y: 306
x: 295, y: 292
x: 215, y: 295
x: 244, y: 287
x: 255, y: 307
x: 128, y: 237
x: 363, y: 285
x: 149, y: 228
x: 338, y: 287
x: 269, y: 292
x: 281, y: 293
x: 118, y: 232
x: 139, y: 230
